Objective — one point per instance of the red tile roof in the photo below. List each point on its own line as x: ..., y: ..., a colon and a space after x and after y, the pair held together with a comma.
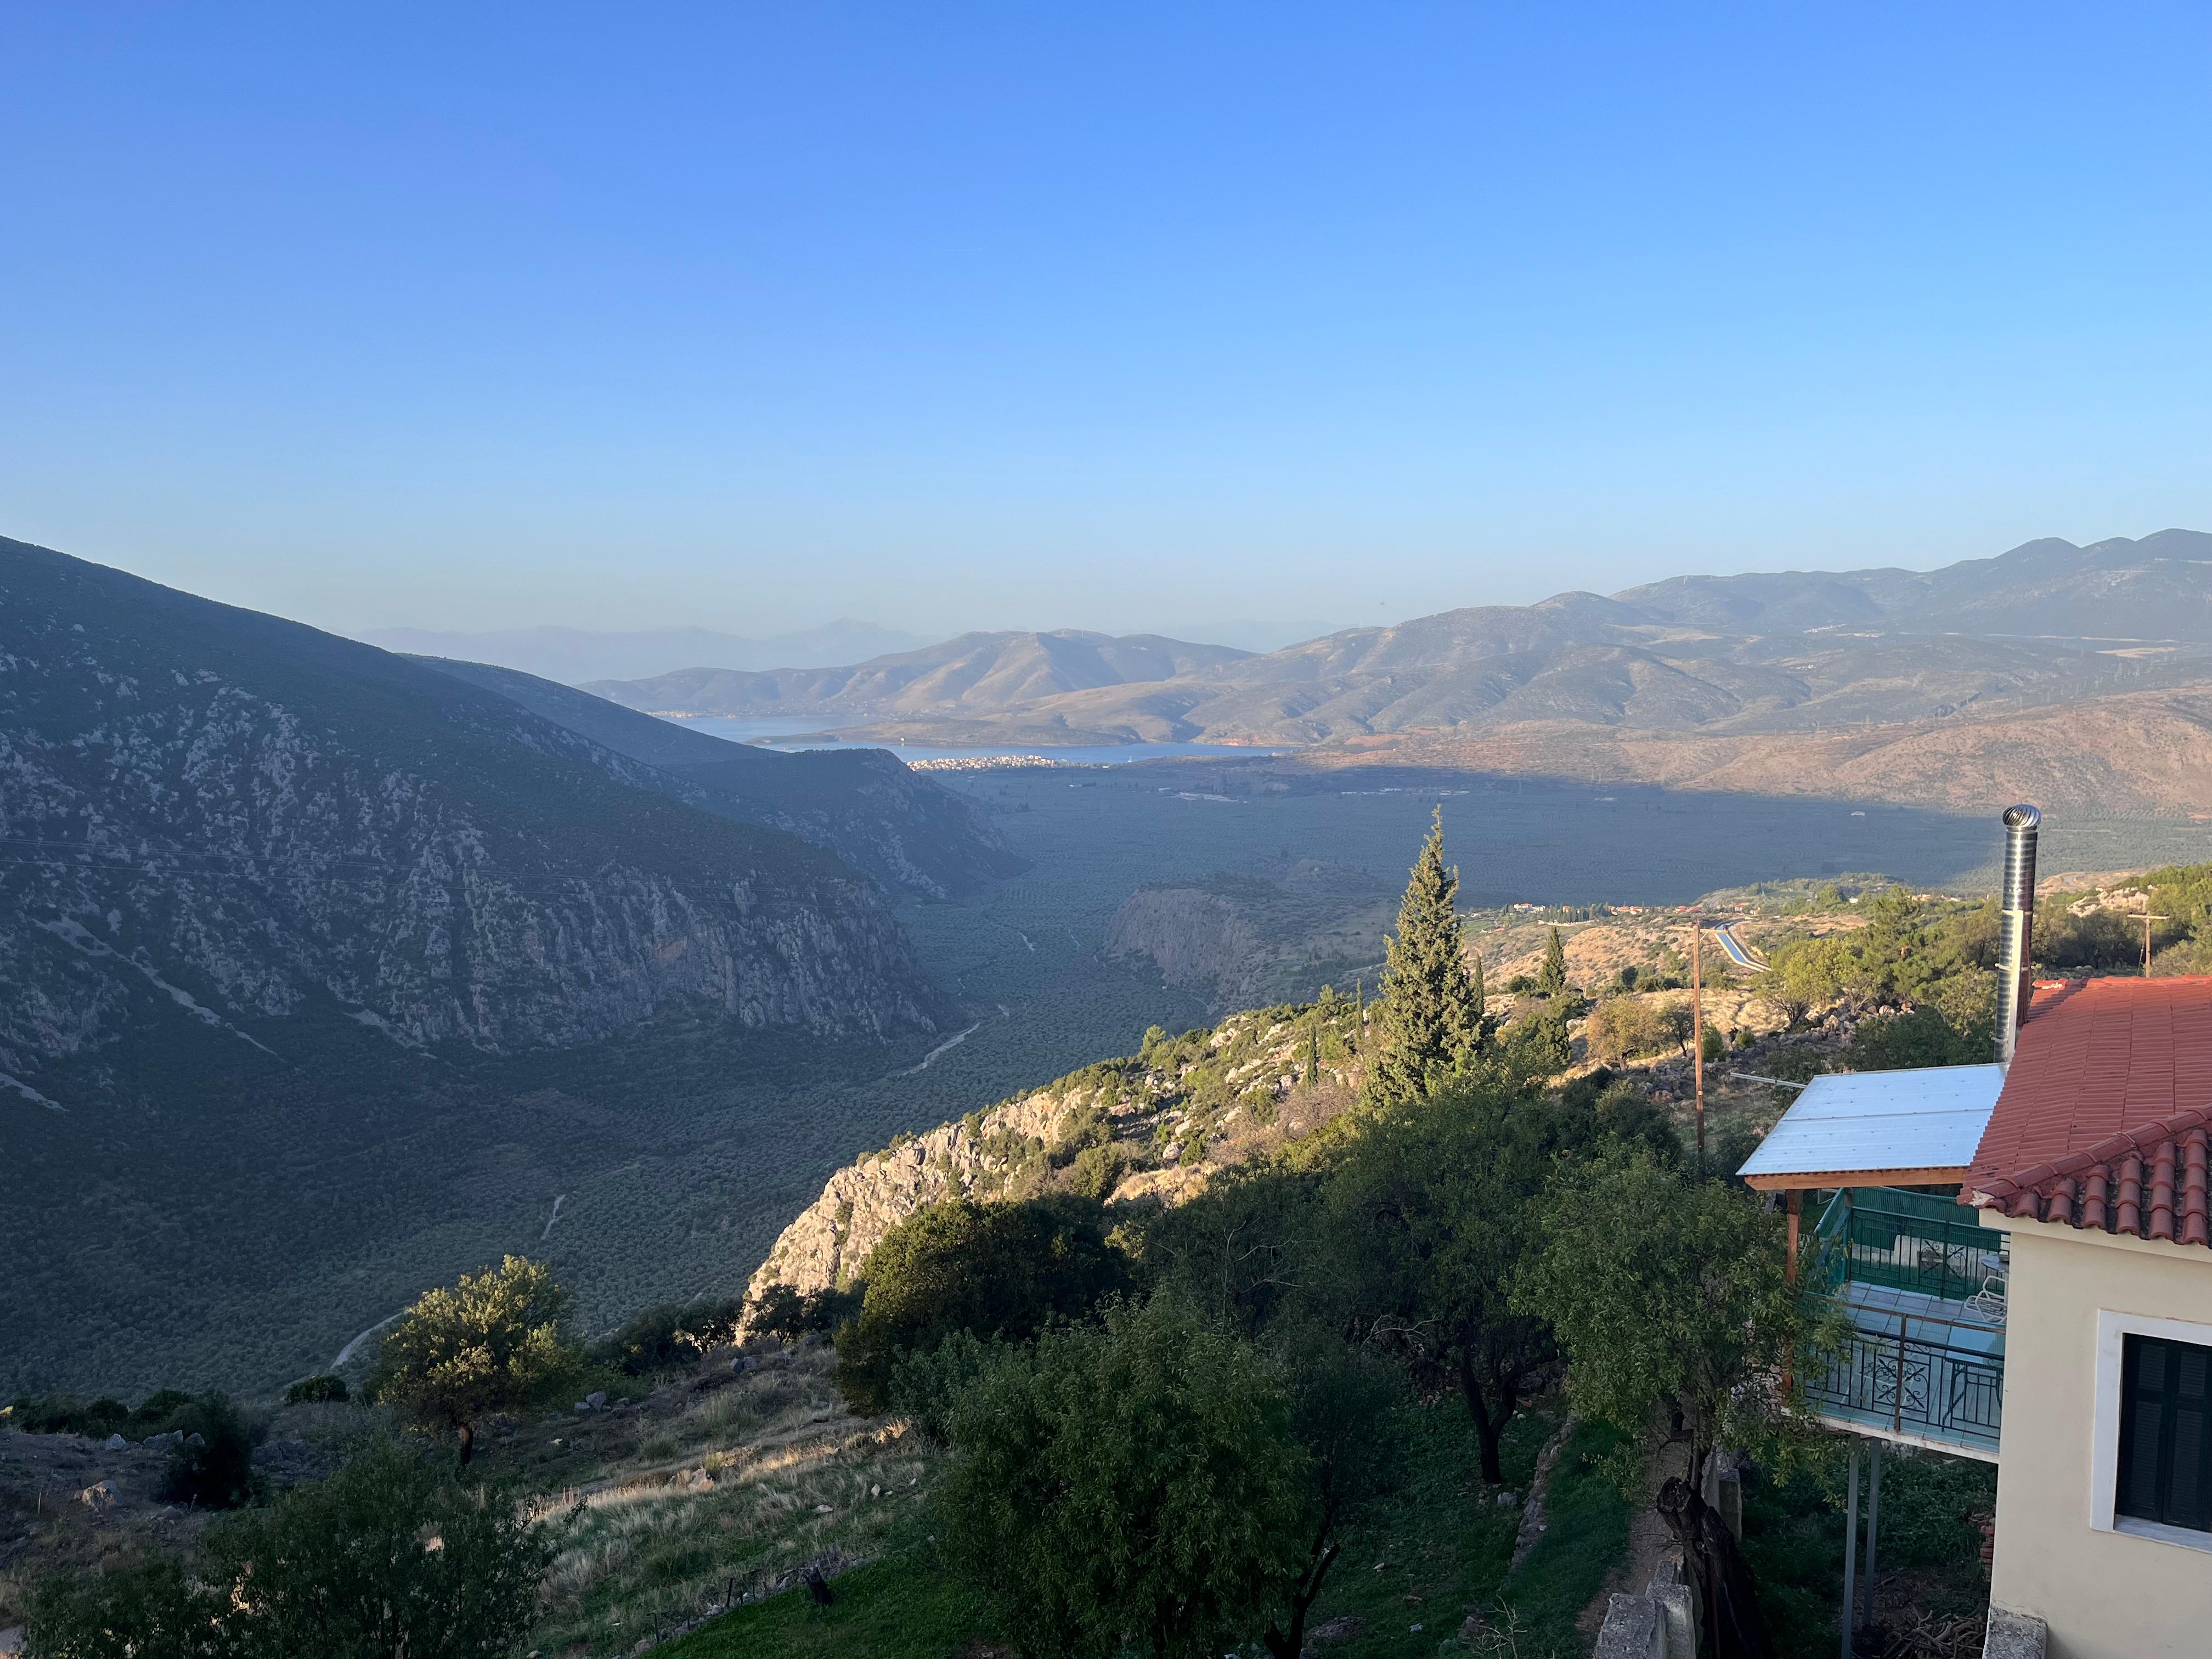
x: 2103, y: 1118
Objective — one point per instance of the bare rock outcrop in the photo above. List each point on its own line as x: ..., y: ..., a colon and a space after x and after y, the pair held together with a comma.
x: 833, y: 1236
x: 1200, y: 941
x: 1151, y: 1126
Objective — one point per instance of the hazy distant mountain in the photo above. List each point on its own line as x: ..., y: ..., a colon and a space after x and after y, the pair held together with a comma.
x: 2155, y: 589
x: 1782, y: 653
x: 574, y: 655
x: 978, y: 673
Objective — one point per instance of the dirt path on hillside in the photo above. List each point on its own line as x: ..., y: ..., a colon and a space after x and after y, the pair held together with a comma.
x: 1648, y: 1540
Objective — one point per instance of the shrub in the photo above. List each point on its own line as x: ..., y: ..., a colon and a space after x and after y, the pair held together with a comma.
x: 157, y: 1412
x: 323, y: 1390
x: 1537, y: 1045
x: 1096, y: 1171
x: 2103, y: 939
x: 1601, y: 1106
x: 1621, y: 1028
x: 781, y: 1311
x: 146, y: 1608
x: 992, y: 1270
x: 1894, y: 1042
x: 1084, y: 1128
x: 1141, y: 1480
x: 671, y: 1333
x: 383, y: 1558
x: 63, y: 1414
x: 217, y: 1472
x: 926, y: 1387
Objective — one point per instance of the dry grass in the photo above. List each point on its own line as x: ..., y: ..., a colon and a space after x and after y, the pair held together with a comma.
x: 773, y: 1472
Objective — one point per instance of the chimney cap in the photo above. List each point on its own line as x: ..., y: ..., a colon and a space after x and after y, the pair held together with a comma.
x: 2022, y: 817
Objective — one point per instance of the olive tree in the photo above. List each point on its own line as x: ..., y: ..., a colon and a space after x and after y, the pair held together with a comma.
x: 495, y: 1341
x: 1429, y: 1216
x: 1672, y: 1300
x: 1135, y: 1484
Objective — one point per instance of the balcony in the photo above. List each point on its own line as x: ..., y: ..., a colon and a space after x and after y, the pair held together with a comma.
x: 1922, y: 1285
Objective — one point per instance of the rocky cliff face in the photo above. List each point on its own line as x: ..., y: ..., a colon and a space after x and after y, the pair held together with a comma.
x: 832, y: 1237
x: 212, y: 815
x: 1149, y: 1126
x: 1200, y: 941
x: 1238, y: 940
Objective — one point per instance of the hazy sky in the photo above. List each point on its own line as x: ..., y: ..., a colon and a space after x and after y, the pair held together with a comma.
x: 962, y: 315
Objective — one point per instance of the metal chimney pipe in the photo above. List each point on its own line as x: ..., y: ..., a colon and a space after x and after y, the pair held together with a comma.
x: 2017, y: 925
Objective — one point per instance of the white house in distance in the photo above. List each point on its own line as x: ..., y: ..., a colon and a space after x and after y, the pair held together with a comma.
x: 2055, y: 1316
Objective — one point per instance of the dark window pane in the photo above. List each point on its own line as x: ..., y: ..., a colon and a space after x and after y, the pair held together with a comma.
x: 2191, y: 1362
x: 2149, y: 1359
x: 2184, y: 1501
x: 2166, y: 1433
x: 2139, y: 1461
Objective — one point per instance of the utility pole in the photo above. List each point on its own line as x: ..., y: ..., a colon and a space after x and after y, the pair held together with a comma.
x: 2147, y: 919
x: 1698, y: 1031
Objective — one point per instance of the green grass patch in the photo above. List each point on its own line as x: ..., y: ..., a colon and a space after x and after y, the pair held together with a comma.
x: 1438, y: 1545
x: 898, y: 1609
x: 1587, y: 1537
x: 1442, y: 1543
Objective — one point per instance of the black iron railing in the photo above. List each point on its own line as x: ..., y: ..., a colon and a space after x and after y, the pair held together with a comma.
x: 1914, y: 1386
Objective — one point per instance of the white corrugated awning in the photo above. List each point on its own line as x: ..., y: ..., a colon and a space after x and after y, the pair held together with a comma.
x: 1880, y: 1128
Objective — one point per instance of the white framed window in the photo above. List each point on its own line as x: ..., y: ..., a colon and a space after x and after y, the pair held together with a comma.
x: 2151, y: 1450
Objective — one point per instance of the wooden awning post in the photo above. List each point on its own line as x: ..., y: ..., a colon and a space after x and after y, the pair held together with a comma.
x: 1796, y: 1200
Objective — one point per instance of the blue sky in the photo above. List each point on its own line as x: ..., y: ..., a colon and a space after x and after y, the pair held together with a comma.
x: 966, y: 315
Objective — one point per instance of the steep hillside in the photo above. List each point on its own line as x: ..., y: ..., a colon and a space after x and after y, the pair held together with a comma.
x: 325, y: 975
x: 976, y: 672
x: 911, y: 834
x: 1151, y: 1126
x: 260, y: 823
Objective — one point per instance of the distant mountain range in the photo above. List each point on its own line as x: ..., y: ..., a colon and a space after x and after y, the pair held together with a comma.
x: 976, y: 674
x: 574, y: 655
x: 1788, y: 655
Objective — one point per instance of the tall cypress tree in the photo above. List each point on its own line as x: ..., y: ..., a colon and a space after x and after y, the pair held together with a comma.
x: 1428, y: 1014
x: 1552, y: 978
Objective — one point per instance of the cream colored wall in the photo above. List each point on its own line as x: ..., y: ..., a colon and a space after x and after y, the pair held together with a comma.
x: 2105, y: 1595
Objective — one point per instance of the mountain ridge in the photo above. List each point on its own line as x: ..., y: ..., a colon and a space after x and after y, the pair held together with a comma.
x: 1786, y: 654
x: 978, y: 669
x: 902, y: 829
x: 254, y: 817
